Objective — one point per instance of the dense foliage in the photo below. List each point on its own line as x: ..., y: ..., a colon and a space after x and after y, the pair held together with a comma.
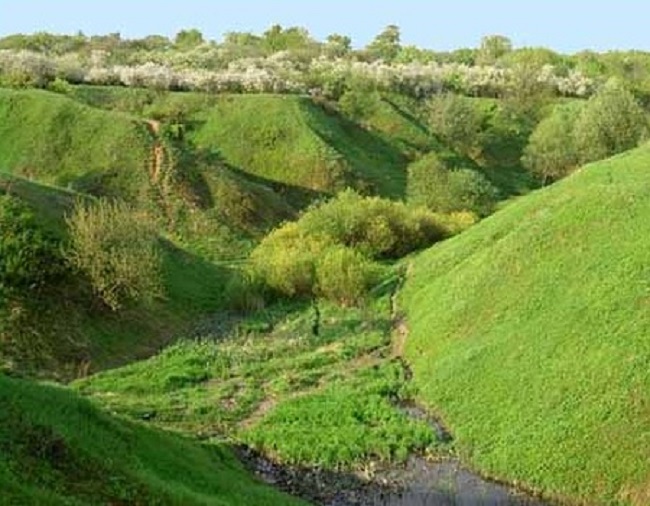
x: 117, y: 249
x: 30, y: 257
x: 610, y: 122
x: 329, y: 250
x: 434, y: 183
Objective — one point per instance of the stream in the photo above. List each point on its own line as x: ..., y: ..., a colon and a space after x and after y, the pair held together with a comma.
x: 418, y: 482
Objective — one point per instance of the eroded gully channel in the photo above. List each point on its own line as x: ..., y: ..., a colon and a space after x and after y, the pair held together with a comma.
x: 420, y: 481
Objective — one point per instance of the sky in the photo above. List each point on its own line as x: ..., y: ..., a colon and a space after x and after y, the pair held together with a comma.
x: 564, y: 25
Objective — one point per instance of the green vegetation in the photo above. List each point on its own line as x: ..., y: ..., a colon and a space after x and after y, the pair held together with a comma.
x: 297, y: 143
x: 117, y: 250
x: 436, y: 184
x: 57, y: 449
x: 612, y: 121
x: 56, y: 327
x: 551, y: 153
x: 307, y: 385
x: 329, y: 250
x: 259, y: 196
x: 529, y: 336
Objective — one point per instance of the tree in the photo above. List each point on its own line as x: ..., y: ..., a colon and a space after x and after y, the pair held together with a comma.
x: 337, y: 46
x: 458, y: 121
x: 492, y: 48
x: 386, y: 46
x: 188, y: 39
x: 277, y: 39
x: 434, y: 184
x: 551, y: 152
x: 611, y: 122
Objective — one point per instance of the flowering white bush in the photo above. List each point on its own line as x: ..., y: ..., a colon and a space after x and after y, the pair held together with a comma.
x: 204, y: 69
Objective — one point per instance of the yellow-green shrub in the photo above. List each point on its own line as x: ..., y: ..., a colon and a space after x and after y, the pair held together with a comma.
x: 117, y: 249
x: 344, y: 276
x: 329, y: 251
x: 286, y: 258
x: 377, y: 227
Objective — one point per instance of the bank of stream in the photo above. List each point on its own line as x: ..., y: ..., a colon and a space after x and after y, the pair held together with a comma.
x: 420, y: 481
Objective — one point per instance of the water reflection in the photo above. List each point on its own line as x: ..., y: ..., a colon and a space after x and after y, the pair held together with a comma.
x: 447, y: 484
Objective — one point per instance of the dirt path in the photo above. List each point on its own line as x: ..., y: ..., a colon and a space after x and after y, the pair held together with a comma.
x: 157, y: 151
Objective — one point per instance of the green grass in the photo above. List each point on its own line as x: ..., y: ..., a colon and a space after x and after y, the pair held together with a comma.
x: 69, y: 328
x: 55, y: 140
x: 57, y: 449
x: 273, y: 384
x: 291, y: 140
x: 529, y: 336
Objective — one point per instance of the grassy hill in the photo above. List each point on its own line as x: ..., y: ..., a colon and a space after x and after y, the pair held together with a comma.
x: 291, y: 140
x: 68, y: 328
x: 52, y: 139
x: 529, y: 336
x: 57, y: 449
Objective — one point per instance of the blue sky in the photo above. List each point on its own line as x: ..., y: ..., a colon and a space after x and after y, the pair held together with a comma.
x: 566, y: 25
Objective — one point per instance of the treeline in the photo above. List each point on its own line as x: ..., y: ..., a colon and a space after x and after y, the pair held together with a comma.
x: 290, y: 60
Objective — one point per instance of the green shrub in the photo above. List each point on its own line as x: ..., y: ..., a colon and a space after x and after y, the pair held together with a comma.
x: 345, y: 276
x: 286, y: 260
x: 431, y: 183
x: 610, y: 123
x: 328, y: 252
x: 360, y: 104
x: 117, y: 249
x: 60, y: 86
x: 378, y: 228
x: 551, y: 152
x: 459, y: 121
x: 29, y: 257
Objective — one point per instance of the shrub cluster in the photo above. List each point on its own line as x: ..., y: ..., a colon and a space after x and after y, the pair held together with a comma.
x: 117, y: 249
x: 331, y: 250
x: 610, y: 122
x: 433, y: 183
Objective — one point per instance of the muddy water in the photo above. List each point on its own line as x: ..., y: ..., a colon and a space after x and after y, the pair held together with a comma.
x: 446, y: 484
x: 418, y: 482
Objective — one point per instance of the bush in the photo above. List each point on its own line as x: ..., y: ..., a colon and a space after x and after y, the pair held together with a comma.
x: 459, y: 121
x: 376, y: 227
x: 117, y: 249
x: 344, y: 276
x: 286, y: 260
x: 551, y: 152
x: 329, y: 251
x: 29, y: 257
x: 360, y: 104
x: 431, y: 183
x: 611, y: 122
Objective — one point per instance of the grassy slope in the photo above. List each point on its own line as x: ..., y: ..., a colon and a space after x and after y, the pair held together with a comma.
x: 305, y: 399
x: 57, y: 449
x: 55, y: 140
x: 73, y: 330
x: 291, y: 140
x: 530, y: 335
